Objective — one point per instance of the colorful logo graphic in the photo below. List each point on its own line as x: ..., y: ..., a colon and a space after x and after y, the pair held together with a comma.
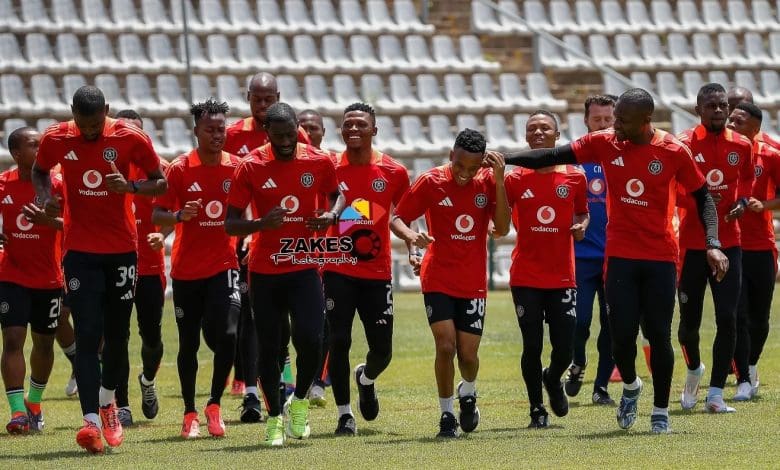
x: 360, y: 212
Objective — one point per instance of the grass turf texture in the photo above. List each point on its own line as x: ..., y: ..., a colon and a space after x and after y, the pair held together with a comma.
x: 403, y: 434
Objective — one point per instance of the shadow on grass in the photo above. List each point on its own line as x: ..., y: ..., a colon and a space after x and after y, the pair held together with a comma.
x: 259, y: 447
x: 62, y: 454
x: 171, y: 438
x: 360, y: 433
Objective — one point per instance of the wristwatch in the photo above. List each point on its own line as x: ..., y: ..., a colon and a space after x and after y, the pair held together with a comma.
x: 713, y: 244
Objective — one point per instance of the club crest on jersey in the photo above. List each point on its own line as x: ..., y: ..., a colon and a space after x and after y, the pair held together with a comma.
x: 109, y: 154
x: 562, y: 191
x: 179, y: 312
x: 480, y: 200
x: 655, y: 167
x: 520, y: 311
x: 38, y: 202
x: 307, y: 180
x: 329, y: 304
x: 759, y: 170
x: 733, y: 158
x: 429, y: 311
x: 74, y: 284
x: 4, y: 307
x: 226, y: 186
x: 378, y: 185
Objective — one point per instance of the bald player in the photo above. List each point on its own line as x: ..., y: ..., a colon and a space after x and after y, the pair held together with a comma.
x: 739, y: 94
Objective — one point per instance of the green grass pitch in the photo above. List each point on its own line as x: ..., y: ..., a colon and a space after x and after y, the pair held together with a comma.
x: 403, y: 434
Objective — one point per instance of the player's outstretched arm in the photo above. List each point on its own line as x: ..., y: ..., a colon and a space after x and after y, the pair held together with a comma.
x: 708, y: 214
x: 540, y: 158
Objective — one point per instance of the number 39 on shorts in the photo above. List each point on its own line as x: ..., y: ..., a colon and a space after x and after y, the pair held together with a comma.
x: 126, y: 273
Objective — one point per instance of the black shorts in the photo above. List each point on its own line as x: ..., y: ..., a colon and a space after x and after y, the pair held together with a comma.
x: 468, y: 314
x: 20, y: 306
x: 100, y: 281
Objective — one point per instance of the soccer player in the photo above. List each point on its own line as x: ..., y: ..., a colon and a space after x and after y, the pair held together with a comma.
x: 759, y: 252
x: 739, y: 94
x: 372, y: 183
x: 642, y: 166
x: 459, y: 200
x: 284, y: 180
x: 149, y: 298
x: 243, y: 136
x: 95, y: 153
x: 30, y: 285
x: 589, y: 262
x: 725, y: 158
x: 204, y: 267
x: 311, y: 121
x: 549, y: 208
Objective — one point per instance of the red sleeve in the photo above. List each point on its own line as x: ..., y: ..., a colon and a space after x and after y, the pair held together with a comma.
x: 240, y: 187
x: 688, y: 175
x: 587, y: 148
x: 775, y: 174
x: 48, y: 156
x: 414, y: 203
x: 56, y: 184
x: 581, y: 194
x: 303, y: 136
x: 747, y: 174
x: 330, y: 181
x: 402, y: 185
x: 144, y: 156
x: 169, y: 200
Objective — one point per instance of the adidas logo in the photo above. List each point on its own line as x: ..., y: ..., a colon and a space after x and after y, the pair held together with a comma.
x: 343, y: 186
x: 618, y: 161
x: 71, y: 156
x: 8, y: 200
x: 244, y: 149
x: 389, y: 311
x: 194, y: 188
x: 269, y: 184
x: 528, y: 194
x: 699, y: 158
x: 477, y: 324
x: 446, y: 202
x: 128, y: 295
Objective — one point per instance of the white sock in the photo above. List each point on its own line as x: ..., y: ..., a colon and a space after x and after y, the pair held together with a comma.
x: 105, y: 397
x: 447, y: 405
x: 715, y: 392
x: 633, y: 385
x: 753, y: 374
x: 145, y: 381
x: 365, y: 380
x: 252, y: 391
x: 660, y: 411
x: 344, y: 410
x: 467, y: 388
x: 317, y: 391
x: 70, y: 350
x: 92, y: 418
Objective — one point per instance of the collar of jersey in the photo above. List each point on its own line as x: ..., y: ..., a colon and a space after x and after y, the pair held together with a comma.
x: 194, y: 158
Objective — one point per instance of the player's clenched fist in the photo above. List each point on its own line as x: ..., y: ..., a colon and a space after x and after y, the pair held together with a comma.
x: 190, y: 210
x: 274, y: 218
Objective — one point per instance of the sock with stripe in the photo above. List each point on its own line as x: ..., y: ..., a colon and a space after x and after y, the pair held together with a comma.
x: 70, y: 353
x: 35, y: 396
x: 16, y: 400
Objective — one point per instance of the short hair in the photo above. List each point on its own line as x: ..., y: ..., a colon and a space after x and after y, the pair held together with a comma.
x: 638, y: 97
x: 361, y: 107
x: 753, y: 110
x: 471, y: 141
x: 280, y: 112
x: 15, y: 137
x: 88, y: 100
x: 599, y: 100
x: 612, y: 97
x: 209, y: 107
x: 129, y: 114
x: 708, y: 89
x: 544, y: 112
x: 313, y: 112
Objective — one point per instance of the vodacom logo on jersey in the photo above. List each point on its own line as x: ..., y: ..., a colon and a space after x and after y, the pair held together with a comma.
x: 464, y: 223
x: 715, y: 179
x: 25, y: 226
x: 635, y: 188
x: 545, y: 215
x: 213, y: 210
x: 92, y: 179
x: 292, y: 204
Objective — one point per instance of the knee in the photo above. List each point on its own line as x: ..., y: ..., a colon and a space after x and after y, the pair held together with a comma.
x: 338, y: 341
x: 468, y: 358
x: 726, y: 322
x: 445, y: 348
x: 13, y: 341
